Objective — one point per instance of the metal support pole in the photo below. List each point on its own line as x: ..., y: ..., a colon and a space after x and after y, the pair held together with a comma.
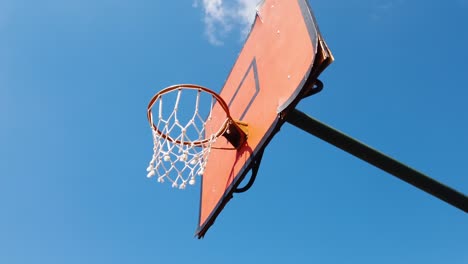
x: 378, y: 159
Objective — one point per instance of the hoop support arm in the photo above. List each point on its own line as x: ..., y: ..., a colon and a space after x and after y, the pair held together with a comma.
x: 378, y: 159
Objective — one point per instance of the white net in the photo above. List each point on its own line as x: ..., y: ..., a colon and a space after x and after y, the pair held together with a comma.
x: 182, y: 141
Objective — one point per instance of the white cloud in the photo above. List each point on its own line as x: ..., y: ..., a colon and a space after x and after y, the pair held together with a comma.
x: 221, y: 17
x: 246, y: 13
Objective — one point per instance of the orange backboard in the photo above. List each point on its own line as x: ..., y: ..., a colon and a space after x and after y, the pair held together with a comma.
x: 278, y: 65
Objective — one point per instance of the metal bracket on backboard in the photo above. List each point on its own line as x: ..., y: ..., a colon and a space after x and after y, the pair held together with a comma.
x: 316, y: 87
x: 255, y: 167
x: 236, y: 133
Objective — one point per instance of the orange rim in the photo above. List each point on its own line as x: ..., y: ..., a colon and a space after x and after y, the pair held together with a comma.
x: 169, y: 89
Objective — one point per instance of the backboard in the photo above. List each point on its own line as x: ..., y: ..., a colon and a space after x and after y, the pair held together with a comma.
x: 278, y: 65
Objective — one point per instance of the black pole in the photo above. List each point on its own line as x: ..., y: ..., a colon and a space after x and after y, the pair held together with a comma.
x: 378, y: 159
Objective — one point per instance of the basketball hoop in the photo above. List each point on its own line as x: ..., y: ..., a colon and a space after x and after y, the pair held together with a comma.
x: 182, y: 134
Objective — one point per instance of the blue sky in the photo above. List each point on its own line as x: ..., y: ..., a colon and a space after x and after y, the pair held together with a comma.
x: 75, y: 79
